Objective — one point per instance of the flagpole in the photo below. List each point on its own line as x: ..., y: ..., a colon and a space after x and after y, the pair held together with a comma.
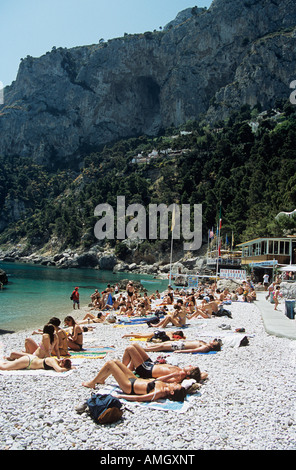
x: 171, y: 261
x: 219, y: 229
x: 217, y: 267
x: 171, y: 257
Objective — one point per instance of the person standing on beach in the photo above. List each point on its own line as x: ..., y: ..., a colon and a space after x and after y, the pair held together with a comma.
x: 270, y: 290
x: 130, y: 291
x: 265, y: 281
x: 75, y: 298
x: 276, y: 297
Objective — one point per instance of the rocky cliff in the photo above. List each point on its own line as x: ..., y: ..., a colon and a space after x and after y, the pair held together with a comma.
x: 71, y: 101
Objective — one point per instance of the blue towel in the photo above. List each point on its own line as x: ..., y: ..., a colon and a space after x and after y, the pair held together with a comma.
x: 110, y: 300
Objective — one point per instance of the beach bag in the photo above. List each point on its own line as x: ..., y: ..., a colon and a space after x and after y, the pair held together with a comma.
x: 222, y: 312
x: 160, y: 336
x: 104, y: 408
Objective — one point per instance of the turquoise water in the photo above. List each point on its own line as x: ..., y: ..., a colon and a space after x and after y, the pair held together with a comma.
x: 36, y: 293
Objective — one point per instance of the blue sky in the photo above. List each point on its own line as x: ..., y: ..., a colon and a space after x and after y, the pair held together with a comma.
x: 33, y: 27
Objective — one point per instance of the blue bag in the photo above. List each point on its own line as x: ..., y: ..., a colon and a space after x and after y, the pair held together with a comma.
x: 104, y: 408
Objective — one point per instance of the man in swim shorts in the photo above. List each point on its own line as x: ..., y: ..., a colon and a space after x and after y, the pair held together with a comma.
x: 75, y: 298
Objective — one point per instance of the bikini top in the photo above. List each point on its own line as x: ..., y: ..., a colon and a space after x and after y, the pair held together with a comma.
x: 41, y: 346
x: 46, y: 366
x: 150, y: 386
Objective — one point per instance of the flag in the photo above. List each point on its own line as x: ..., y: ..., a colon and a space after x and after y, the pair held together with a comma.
x: 232, y: 240
x: 226, y: 239
x: 211, y: 234
x: 219, y: 249
x: 220, y: 216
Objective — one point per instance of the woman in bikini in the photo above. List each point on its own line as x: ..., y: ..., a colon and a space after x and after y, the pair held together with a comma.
x: 49, y: 343
x: 137, y: 389
x: 62, y: 337
x: 136, y: 359
x: 130, y: 291
x: 100, y: 317
x: 75, y: 338
x: 29, y: 361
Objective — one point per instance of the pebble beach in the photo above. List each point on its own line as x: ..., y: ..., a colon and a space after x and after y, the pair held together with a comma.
x: 247, y: 403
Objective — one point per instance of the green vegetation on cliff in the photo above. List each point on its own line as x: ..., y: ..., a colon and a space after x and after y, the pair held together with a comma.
x: 252, y: 170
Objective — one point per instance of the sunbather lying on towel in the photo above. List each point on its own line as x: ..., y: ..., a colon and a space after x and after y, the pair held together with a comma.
x: 148, y: 336
x: 138, y: 389
x: 136, y: 359
x: 29, y: 361
x: 186, y: 346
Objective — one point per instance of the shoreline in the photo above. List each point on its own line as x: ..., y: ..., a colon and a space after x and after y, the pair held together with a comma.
x: 40, y: 305
x: 247, y: 402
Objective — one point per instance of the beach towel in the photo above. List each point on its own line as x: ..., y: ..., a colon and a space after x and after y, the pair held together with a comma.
x: 91, y: 353
x: 229, y: 337
x: 110, y: 300
x: 42, y: 372
x: 234, y: 340
x: 125, y: 325
x: 209, y: 352
x: 38, y: 372
x: 162, y: 405
x: 135, y: 320
x: 140, y: 338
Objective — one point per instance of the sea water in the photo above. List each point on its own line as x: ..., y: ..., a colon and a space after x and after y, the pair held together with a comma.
x: 36, y: 293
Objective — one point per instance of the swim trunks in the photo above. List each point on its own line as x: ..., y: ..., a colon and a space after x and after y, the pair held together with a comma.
x: 145, y: 369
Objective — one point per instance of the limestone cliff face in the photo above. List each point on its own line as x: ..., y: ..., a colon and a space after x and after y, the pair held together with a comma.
x: 73, y: 100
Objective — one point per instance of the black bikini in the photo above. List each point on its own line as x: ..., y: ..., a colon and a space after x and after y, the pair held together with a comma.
x: 45, y: 366
x: 150, y: 386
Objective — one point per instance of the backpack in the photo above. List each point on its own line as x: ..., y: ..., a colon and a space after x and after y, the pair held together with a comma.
x: 104, y: 408
x: 222, y: 312
x: 161, y: 335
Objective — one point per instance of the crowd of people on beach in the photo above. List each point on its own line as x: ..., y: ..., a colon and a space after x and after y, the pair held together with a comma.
x: 140, y: 378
